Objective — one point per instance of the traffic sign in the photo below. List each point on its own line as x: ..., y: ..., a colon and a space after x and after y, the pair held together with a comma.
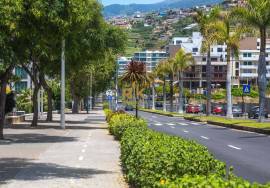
x: 109, y: 93
x: 246, y: 89
x: 109, y: 97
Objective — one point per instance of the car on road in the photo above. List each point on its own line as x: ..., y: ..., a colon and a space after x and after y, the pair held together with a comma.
x: 237, y: 111
x: 129, y: 107
x: 218, y: 110
x: 159, y: 104
x: 254, y: 113
x: 191, y: 108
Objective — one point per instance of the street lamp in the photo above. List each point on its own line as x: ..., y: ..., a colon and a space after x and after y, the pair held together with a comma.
x: 63, y: 126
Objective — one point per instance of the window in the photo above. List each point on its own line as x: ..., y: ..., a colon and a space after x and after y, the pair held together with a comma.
x: 19, y: 86
x: 20, y: 72
x: 247, y: 63
x: 204, y: 59
x: 195, y: 50
x: 247, y: 71
x: 203, y: 68
x: 247, y: 55
x: 258, y: 43
x: 178, y: 42
x: 219, y: 50
x: 214, y: 59
x: 237, y: 73
x: 237, y: 65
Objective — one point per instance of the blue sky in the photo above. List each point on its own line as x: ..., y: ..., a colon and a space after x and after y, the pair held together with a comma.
x: 108, y: 2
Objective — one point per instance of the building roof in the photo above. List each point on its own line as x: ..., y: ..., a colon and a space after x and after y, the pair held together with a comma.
x: 249, y: 43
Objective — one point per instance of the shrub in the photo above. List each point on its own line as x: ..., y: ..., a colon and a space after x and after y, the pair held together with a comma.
x: 120, y: 122
x: 212, y: 181
x: 149, y: 157
x: 105, y: 105
x: 109, y: 114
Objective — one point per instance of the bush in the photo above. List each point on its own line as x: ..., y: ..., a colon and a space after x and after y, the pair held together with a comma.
x: 212, y: 181
x: 105, y: 105
x: 149, y: 157
x: 120, y: 122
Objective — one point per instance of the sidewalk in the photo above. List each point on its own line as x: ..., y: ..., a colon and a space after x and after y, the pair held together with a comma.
x: 83, y: 155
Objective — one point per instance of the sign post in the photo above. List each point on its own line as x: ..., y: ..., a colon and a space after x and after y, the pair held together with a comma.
x: 246, y: 90
x: 109, y: 94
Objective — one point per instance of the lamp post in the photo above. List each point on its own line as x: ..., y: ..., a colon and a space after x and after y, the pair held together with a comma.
x: 63, y: 126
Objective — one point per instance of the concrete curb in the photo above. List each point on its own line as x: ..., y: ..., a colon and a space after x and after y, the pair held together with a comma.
x: 159, y: 113
x: 233, y: 126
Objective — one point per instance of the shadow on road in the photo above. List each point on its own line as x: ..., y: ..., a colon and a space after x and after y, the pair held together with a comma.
x: 10, y: 170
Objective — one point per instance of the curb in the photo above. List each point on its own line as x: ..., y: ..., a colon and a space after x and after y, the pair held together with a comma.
x: 233, y: 126
x: 169, y: 115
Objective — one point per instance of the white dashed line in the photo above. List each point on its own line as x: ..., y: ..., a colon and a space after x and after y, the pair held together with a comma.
x: 172, y: 127
x: 85, y: 145
x: 171, y: 124
x: 234, y: 147
x: 158, y: 124
x: 184, y: 124
x: 83, y: 150
x: 204, y: 137
x: 195, y: 123
x: 80, y: 158
x: 154, y: 116
x: 185, y: 131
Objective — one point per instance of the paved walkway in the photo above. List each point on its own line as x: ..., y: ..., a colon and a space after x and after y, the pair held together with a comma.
x: 83, y: 155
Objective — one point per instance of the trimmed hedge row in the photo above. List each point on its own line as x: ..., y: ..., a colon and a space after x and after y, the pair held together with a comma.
x: 152, y: 159
x: 212, y: 181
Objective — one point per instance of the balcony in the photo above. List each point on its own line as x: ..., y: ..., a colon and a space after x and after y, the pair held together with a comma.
x: 248, y: 66
x: 248, y: 75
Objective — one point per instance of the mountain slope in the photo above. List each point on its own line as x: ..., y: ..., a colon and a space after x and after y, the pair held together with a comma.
x: 116, y: 9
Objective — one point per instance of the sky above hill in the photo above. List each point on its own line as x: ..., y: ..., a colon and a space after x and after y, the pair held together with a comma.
x: 108, y: 2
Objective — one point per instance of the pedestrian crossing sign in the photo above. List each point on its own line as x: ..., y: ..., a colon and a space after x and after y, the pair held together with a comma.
x: 246, y: 89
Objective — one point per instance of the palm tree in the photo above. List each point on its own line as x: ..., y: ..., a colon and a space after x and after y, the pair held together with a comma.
x: 171, y: 68
x: 136, y: 76
x: 256, y: 13
x: 182, y: 61
x: 225, y: 32
x: 204, y: 19
x: 162, y: 72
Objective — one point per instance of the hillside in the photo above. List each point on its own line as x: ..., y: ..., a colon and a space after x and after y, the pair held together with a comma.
x: 116, y: 9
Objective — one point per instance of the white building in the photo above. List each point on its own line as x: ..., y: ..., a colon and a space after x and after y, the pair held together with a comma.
x: 24, y: 82
x: 122, y: 62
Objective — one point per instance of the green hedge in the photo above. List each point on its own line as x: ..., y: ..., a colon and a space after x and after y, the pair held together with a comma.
x: 149, y: 157
x: 118, y: 123
x: 212, y: 181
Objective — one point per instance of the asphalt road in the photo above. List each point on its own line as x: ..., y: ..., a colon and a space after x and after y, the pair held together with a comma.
x: 248, y: 153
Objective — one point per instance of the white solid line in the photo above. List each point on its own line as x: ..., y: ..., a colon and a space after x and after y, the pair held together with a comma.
x: 186, y: 131
x: 83, y: 150
x: 80, y: 158
x: 234, y: 147
x: 204, y: 137
x: 158, y: 124
x: 172, y: 127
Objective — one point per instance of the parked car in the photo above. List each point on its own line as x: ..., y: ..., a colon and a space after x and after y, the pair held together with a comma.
x: 193, y: 109
x: 159, y: 104
x: 129, y: 107
x: 254, y: 112
x: 218, y: 110
x: 237, y: 111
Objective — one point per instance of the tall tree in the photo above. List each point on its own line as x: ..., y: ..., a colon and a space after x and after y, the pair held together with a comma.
x: 204, y: 19
x: 182, y: 61
x: 256, y: 13
x: 135, y: 75
x: 226, y: 31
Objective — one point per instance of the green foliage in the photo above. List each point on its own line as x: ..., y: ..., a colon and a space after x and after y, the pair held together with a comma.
x: 212, y: 181
x: 219, y: 95
x: 105, y: 106
x: 181, y: 24
x: 24, y: 101
x: 238, y: 92
x: 149, y: 157
x: 119, y: 123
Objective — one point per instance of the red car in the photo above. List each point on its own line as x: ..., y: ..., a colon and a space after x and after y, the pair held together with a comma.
x: 218, y: 110
x: 195, y: 109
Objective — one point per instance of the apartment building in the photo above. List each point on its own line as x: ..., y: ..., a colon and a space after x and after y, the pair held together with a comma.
x: 150, y: 58
x: 122, y: 62
x: 24, y: 82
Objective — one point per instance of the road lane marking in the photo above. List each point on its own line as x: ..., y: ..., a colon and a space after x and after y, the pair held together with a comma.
x: 195, y: 123
x: 85, y: 145
x: 170, y: 124
x: 172, y: 127
x: 185, y: 131
x: 184, y: 124
x: 234, y: 147
x: 204, y: 137
x: 80, y: 158
x: 83, y: 150
x: 154, y: 116
x: 158, y: 124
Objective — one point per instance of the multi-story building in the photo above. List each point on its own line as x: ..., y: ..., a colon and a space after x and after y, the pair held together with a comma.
x: 247, y: 62
x: 122, y: 62
x: 24, y: 82
x: 195, y: 76
x: 150, y: 58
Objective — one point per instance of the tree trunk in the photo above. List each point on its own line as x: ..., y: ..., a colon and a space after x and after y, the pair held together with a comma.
x: 35, y: 106
x: 2, y: 106
x: 229, y: 84
x: 171, y: 93
x: 49, y: 93
x: 153, y: 97
x: 164, y: 95
x: 137, y: 100
x: 208, y: 72
x: 262, y: 81
x: 181, y: 91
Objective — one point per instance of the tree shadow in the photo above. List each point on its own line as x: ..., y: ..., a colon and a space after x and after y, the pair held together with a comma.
x: 25, y: 138
x: 27, y: 170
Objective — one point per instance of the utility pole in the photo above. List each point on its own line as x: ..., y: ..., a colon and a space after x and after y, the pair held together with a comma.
x: 63, y: 126
x: 91, y: 84
x: 116, y: 88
